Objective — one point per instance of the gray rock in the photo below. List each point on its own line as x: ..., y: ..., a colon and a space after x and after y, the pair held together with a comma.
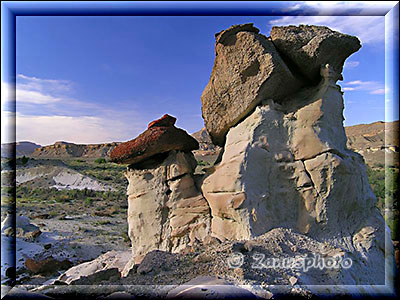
x: 156, y: 261
x: 117, y: 295
x: 24, y: 229
x: 107, y: 265
x: 19, y: 293
x: 309, y: 47
x: 208, y: 287
x: 247, y: 70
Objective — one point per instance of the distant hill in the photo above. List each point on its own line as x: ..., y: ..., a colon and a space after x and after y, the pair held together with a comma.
x: 71, y: 150
x: 21, y: 148
x: 373, y: 140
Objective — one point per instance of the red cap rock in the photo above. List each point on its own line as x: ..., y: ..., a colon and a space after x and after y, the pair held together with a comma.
x: 161, y: 136
x: 165, y: 121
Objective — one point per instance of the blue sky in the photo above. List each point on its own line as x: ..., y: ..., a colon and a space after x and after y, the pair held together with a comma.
x: 102, y: 79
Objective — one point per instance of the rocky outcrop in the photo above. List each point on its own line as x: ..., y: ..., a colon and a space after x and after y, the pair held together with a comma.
x: 308, y: 47
x: 285, y: 189
x: 160, y: 137
x: 290, y: 155
x: 247, y: 69
x: 166, y: 211
x: 286, y: 164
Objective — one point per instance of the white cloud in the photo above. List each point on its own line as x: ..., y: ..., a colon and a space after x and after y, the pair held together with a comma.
x: 343, y: 7
x: 292, y: 8
x: 47, y: 130
x: 46, y: 114
x: 33, y: 90
x: 373, y: 87
x: 369, y: 29
x: 348, y: 89
x: 351, y: 64
x: 26, y: 96
x: 378, y: 92
x: 40, y: 84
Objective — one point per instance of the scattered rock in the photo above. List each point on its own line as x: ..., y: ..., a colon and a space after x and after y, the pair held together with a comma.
x: 9, y: 232
x: 160, y: 137
x: 156, y: 261
x: 32, y: 234
x: 293, y: 280
x: 42, y: 216
x: 24, y: 228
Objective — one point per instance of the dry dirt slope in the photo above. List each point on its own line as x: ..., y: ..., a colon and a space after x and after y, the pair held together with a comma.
x: 373, y: 140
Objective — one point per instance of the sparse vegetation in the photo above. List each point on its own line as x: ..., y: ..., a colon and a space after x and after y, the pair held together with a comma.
x: 202, y: 163
x: 100, y: 160
x: 24, y: 160
x: 104, y: 171
x: 386, y: 190
x: 26, y: 194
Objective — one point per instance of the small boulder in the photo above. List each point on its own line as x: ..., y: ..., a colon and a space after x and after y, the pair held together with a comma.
x: 105, y: 266
x: 24, y: 229
x: 309, y: 47
x: 160, y: 137
x: 46, y: 266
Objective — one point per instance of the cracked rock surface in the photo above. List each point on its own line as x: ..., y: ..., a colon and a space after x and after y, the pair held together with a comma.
x: 247, y: 67
x: 165, y: 209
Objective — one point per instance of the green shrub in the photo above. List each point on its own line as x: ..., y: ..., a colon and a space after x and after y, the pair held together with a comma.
x: 202, y: 163
x: 100, y: 160
x: 24, y: 160
x: 88, y: 201
x: 394, y: 225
